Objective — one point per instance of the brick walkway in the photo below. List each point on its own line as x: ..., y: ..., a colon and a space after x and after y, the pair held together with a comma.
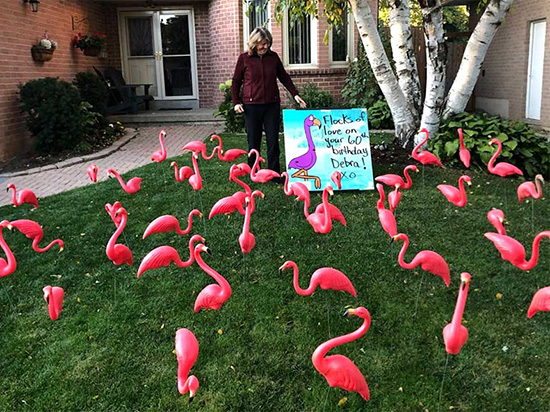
x: 137, y: 152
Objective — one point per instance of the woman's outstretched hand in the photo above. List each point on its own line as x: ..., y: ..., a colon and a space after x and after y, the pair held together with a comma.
x: 239, y: 108
x: 299, y: 100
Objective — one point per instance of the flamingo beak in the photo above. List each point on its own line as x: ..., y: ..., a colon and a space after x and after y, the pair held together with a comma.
x: 172, y: 164
x: 349, y: 312
x: 393, y: 239
x: 317, y: 122
x: 200, y: 215
x: 469, y: 183
x: 208, y: 250
x: 61, y: 249
x: 9, y: 226
x: 191, y: 396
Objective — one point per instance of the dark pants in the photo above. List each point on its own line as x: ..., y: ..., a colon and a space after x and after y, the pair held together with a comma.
x: 268, y: 116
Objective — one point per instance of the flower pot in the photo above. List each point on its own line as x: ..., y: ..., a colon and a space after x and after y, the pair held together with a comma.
x: 41, y: 55
x: 92, y: 51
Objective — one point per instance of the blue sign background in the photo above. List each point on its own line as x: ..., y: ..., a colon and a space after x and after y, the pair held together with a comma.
x: 341, y: 142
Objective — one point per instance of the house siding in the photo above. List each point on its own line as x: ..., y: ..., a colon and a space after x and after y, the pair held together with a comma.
x: 502, y: 85
x: 21, y: 29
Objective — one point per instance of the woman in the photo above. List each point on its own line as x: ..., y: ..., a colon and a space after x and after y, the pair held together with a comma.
x: 257, y: 71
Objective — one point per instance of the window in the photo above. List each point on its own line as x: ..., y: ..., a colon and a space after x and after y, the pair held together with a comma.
x: 255, y: 14
x: 341, y: 42
x: 300, y: 42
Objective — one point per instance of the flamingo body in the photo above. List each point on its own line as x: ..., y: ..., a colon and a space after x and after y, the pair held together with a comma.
x: 394, y: 198
x: 258, y: 175
x: 25, y: 196
x: 501, y: 169
x: 228, y: 205
x: 9, y: 266
x: 540, y: 302
x: 425, y: 157
x: 463, y: 153
x: 334, y: 213
x: 321, y: 221
x: 514, y: 252
x: 386, y: 217
x: 455, y: 334
x: 496, y: 218
x: 394, y: 180
x: 187, y: 351
x: 34, y: 231
x: 119, y: 254
x: 528, y: 189
x: 456, y: 196
x: 54, y: 299
x: 131, y: 186
x: 92, y: 172
x: 336, y: 178
x: 215, y: 295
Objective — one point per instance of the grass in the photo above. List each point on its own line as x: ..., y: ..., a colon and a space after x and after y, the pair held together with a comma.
x: 111, y: 348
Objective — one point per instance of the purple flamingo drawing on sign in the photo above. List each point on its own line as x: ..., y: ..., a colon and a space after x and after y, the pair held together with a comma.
x: 306, y: 161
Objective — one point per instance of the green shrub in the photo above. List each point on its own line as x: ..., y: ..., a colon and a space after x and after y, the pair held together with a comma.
x: 234, y: 122
x: 520, y: 144
x: 56, y: 114
x: 93, y: 90
x: 380, y: 115
x: 360, y: 86
x: 315, y: 98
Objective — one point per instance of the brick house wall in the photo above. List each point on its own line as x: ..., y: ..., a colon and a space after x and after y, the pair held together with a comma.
x: 218, y: 38
x: 502, y: 85
x: 21, y: 29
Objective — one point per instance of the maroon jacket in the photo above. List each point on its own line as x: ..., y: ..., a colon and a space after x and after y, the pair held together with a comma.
x: 258, y: 76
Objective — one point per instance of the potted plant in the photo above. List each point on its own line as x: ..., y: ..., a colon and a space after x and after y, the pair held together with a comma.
x: 43, y: 50
x: 91, y: 45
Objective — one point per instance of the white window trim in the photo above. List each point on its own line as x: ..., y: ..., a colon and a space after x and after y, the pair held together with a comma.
x: 314, y: 49
x: 246, y: 26
x: 350, y: 45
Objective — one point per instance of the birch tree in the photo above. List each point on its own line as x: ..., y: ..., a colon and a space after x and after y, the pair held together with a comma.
x: 401, y: 88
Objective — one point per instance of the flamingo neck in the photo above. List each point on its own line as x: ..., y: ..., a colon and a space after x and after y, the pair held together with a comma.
x: 37, y: 248
x: 256, y: 164
x: 226, y: 288
x: 176, y: 174
x: 248, y: 213
x: 119, y: 178
x: 309, y: 139
x: 530, y: 264
x: 415, y: 150
x: 162, y: 146
x: 462, y: 190
x: 286, y: 188
x: 189, y: 223
x: 326, y: 213
x: 118, y: 231
x: 195, y: 166
x: 296, y: 283
x: 183, y: 379
x: 9, y: 266
x: 246, y: 188
x: 14, y: 197
x: 538, y: 187
x: 461, y: 138
x: 324, y: 348
x: 491, y: 163
x: 460, y: 303
x: 216, y: 149
x: 380, y: 202
x: 401, y: 257
x: 408, y: 180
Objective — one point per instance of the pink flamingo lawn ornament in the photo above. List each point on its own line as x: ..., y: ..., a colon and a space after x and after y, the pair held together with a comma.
x: 212, y: 296
x: 326, y: 278
x: 501, y: 169
x: 455, y: 334
x: 197, y: 146
x: 540, y: 302
x: 92, y: 172
x: 167, y: 223
x: 528, y: 189
x: 322, y: 221
x: 386, y: 217
x: 306, y: 161
x: 230, y: 155
x: 25, y: 196
x: 496, y: 218
x: 183, y: 173
x: 132, y: 186
x: 160, y: 155
x: 336, y: 178
x: 54, y: 298
x: 338, y: 370
x: 247, y: 240
x: 186, y: 173
x: 9, y: 266
x: 119, y: 254
x: 34, y: 231
x: 463, y: 153
x: 297, y: 189
x: 456, y: 196
x: 425, y: 157
x: 111, y: 210
x: 334, y: 212
x: 163, y: 256
x: 236, y: 201
x: 394, y: 198
x: 514, y: 252
x: 258, y: 175
x: 428, y: 260
x: 187, y: 351
x: 394, y: 180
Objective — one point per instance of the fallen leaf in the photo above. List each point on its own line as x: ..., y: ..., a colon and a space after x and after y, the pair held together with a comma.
x: 96, y: 397
x: 220, y: 332
x: 342, y: 401
x: 233, y: 368
x: 400, y: 389
x: 78, y: 299
x: 162, y: 326
x: 83, y: 234
x: 499, y: 295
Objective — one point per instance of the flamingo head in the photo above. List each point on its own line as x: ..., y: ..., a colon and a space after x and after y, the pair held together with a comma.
x: 61, y: 247
x: 120, y: 211
x: 47, y: 292
x: 232, y: 170
x: 110, y: 172
x: 197, y: 238
x: 6, y: 224
x: 467, y: 179
x: 258, y: 193
x: 539, y: 177
x: 399, y: 236
x: 412, y: 167
x: 495, y: 141
x: 193, y: 383
x: 312, y: 120
x: 288, y: 264
x: 465, y: 277
x: 253, y: 151
x: 10, y: 186
x: 173, y: 164
x: 336, y: 177
x: 201, y: 247
x: 195, y: 155
x: 162, y: 133
x: 330, y: 190
x: 359, y: 312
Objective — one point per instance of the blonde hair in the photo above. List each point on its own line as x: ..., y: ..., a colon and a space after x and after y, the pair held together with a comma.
x: 258, y: 35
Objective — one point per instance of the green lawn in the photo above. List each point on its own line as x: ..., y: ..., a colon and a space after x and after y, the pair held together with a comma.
x: 112, y: 347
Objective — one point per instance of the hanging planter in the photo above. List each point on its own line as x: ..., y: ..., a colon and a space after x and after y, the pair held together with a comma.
x: 40, y: 54
x: 92, y: 51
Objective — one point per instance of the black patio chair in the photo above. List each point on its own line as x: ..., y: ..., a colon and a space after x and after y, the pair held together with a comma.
x: 123, y: 96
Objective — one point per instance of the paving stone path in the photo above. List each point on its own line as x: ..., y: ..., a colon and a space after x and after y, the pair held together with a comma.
x: 136, y: 152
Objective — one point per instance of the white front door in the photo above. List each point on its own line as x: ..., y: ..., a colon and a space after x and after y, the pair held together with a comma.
x: 535, y: 70
x: 158, y: 47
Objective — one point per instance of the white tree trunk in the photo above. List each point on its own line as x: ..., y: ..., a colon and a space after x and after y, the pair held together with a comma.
x: 474, y: 55
x: 403, y: 119
x: 403, y: 53
x: 436, y: 61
